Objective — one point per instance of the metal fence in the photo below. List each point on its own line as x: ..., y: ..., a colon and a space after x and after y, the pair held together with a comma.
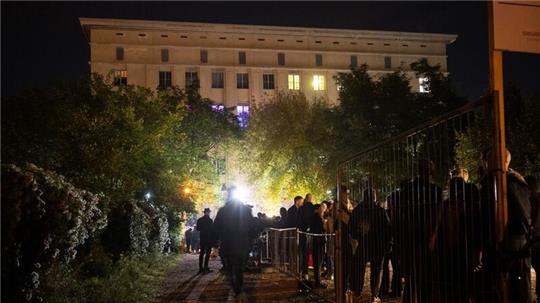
x: 306, y: 256
x: 410, y: 210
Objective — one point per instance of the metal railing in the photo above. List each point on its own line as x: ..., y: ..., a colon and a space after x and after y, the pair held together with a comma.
x: 407, y: 212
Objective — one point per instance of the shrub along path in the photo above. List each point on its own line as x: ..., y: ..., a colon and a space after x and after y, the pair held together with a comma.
x: 184, y: 285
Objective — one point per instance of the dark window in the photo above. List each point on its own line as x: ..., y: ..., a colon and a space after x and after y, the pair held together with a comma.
x: 164, y: 55
x: 204, y: 56
x: 268, y: 81
x: 354, y: 61
x: 242, y: 112
x: 242, y: 81
x: 318, y: 60
x: 217, y: 80
x: 387, y: 62
x: 191, y: 79
x: 120, y: 77
x: 120, y: 53
x: 281, y: 59
x: 165, y: 79
x: 242, y: 57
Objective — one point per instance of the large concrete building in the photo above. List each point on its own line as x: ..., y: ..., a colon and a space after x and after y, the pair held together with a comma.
x: 237, y: 65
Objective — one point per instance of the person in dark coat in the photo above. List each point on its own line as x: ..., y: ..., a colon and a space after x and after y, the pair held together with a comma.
x: 293, y: 214
x: 317, y: 227
x: 282, y: 222
x: 417, y: 215
x: 456, y: 240
x: 204, y: 226
x: 370, y: 226
x: 236, y: 230
x: 305, y: 215
x: 515, y: 263
x: 188, y: 235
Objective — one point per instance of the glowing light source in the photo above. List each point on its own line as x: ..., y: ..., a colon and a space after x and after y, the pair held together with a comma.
x: 147, y: 196
x: 241, y: 193
x: 187, y: 190
x: 328, y: 191
x: 423, y: 86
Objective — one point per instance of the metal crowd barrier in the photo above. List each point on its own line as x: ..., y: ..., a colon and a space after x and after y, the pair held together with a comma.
x: 412, y: 222
x: 302, y: 254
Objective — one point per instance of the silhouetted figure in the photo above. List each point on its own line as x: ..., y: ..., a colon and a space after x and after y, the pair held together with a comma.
x: 317, y: 227
x: 293, y: 214
x: 456, y: 240
x: 305, y: 214
x: 535, y: 237
x: 204, y: 226
x: 187, y: 236
x: 417, y: 215
x: 393, y: 256
x: 329, y: 222
x: 235, y: 226
x: 282, y: 222
x: 371, y: 228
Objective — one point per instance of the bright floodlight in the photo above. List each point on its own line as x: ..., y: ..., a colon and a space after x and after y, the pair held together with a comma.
x: 147, y: 196
x: 240, y: 193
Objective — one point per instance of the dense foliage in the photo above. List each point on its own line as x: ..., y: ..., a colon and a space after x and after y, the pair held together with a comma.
x: 135, y: 149
x: 45, y: 219
x: 294, y: 144
x: 119, y: 141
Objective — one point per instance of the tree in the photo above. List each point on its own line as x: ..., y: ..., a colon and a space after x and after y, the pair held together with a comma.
x: 287, y: 147
x: 117, y: 141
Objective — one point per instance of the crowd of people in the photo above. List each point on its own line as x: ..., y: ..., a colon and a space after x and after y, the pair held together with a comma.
x: 422, y: 242
x: 441, y: 242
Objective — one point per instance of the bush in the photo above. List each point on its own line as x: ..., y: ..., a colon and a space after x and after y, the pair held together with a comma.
x: 137, y: 228
x: 45, y: 219
x: 129, y: 280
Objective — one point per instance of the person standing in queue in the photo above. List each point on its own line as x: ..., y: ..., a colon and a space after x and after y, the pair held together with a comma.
x: 305, y: 214
x: 204, y: 226
x: 235, y: 227
x: 317, y: 227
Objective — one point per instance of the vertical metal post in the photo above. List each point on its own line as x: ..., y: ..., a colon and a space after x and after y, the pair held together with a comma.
x: 498, y: 142
x: 338, y: 255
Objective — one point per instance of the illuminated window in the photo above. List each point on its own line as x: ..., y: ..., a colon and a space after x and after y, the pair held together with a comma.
x: 165, y: 79
x: 242, y: 81
x: 268, y: 81
x: 294, y: 82
x: 318, y: 82
x: 242, y: 112
x: 218, y: 108
x: 120, y: 77
x: 217, y: 80
x: 423, y: 85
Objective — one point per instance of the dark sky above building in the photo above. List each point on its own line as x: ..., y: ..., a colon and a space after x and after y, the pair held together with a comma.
x: 43, y: 42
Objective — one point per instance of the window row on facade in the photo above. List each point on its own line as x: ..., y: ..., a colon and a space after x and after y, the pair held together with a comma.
x: 280, y: 59
x: 298, y: 41
x: 318, y: 81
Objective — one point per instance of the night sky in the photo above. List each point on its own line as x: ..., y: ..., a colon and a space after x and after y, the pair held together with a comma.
x: 43, y: 42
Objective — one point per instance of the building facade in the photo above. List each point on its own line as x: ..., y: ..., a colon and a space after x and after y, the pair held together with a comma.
x: 238, y: 65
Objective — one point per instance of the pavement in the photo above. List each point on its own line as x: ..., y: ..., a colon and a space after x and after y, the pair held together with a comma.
x: 185, y: 285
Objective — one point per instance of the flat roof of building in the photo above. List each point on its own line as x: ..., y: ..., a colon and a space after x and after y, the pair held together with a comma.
x: 131, y: 24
